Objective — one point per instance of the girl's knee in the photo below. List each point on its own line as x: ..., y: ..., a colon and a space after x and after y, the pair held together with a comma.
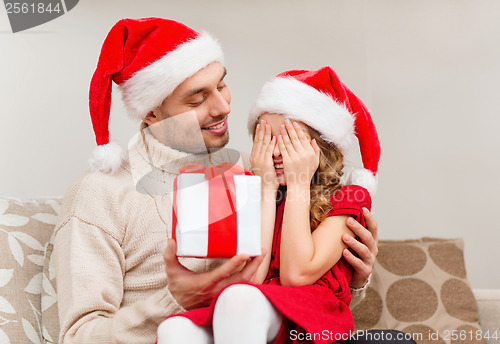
x: 244, y: 315
x: 240, y: 298
x: 169, y: 329
x: 180, y: 330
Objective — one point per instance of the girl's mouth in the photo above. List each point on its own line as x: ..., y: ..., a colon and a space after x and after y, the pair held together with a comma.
x: 278, y: 167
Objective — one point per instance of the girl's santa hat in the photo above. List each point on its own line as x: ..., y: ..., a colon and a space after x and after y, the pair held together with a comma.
x: 320, y: 100
x: 148, y: 58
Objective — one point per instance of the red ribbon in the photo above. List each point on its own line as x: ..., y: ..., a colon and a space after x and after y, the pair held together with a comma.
x: 222, y: 228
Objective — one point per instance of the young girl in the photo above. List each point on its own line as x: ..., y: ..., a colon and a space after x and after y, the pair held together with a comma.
x: 302, y: 122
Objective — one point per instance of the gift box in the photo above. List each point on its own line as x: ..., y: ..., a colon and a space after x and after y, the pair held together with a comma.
x: 216, y: 211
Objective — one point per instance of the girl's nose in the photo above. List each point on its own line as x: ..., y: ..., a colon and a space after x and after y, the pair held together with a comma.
x: 276, y: 150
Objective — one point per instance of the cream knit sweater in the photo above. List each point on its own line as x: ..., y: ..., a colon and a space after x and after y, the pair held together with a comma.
x: 109, y: 243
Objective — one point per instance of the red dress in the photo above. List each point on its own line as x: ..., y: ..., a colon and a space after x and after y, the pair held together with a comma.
x: 321, y: 308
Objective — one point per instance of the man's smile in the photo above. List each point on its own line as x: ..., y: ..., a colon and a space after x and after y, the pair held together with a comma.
x: 218, y: 128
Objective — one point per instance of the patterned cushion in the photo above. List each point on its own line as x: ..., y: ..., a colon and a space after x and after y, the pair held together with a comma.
x: 25, y: 230
x: 50, y: 317
x: 421, y: 287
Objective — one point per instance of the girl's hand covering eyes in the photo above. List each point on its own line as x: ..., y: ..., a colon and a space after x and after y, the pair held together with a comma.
x: 300, y: 155
x: 261, y: 157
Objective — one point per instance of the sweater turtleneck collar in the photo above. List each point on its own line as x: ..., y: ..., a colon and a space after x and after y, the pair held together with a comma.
x: 147, y: 154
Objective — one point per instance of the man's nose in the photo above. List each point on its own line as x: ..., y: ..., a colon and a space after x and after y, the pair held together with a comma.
x: 220, y: 106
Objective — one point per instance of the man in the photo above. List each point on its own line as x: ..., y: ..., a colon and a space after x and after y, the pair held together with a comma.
x: 110, y: 238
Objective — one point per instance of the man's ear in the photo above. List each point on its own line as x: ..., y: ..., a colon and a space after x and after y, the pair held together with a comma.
x: 150, y: 118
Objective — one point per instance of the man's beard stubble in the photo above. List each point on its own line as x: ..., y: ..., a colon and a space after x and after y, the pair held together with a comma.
x: 213, y: 149
x: 183, y: 132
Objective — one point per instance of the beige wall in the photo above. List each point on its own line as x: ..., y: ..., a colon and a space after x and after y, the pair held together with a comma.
x: 428, y: 70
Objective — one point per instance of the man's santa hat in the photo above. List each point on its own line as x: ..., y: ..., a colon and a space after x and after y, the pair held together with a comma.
x: 320, y: 100
x: 148, y: 58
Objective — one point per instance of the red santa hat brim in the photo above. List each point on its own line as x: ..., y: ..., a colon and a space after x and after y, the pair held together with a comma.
x: 148, y: 87
x: 301, y: 102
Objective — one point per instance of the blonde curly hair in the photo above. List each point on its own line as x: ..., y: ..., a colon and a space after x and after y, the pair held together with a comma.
x: 326, y: 180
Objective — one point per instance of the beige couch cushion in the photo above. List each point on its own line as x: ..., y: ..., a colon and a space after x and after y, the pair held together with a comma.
x: 421, y: 287
x: 25, y: 229
x: 488, y: 303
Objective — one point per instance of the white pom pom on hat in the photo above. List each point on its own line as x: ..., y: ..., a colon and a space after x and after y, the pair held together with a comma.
x: 364, y: 178
x: 107, y: 158
x: 147, y: 58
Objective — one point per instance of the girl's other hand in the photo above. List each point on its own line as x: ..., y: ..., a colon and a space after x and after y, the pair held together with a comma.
x: 261, y: 157
x: 300, y: 154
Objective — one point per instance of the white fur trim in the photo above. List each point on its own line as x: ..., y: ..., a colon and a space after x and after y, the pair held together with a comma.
x: 148, y: 87
x: 301, y: 102
x: 107, y: 158
x: 364, y: 178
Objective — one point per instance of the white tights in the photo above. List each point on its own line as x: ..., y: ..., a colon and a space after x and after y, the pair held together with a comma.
x: 242, y: 315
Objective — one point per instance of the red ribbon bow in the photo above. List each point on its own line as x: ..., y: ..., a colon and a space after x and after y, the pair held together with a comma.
x: 227, y: 168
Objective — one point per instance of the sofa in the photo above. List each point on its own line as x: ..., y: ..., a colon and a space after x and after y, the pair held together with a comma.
x: 418, y: 286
